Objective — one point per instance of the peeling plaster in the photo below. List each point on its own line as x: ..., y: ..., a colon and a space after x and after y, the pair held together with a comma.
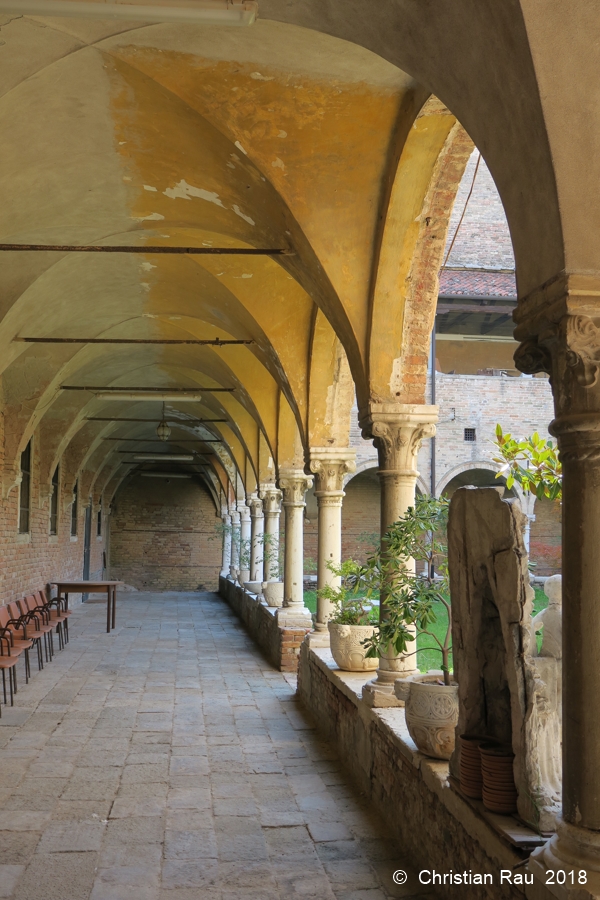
x: 278, y: 163
x: 153, y: 217
x: 239, y: 146
x: 282, y: 134
x: 147, y: 266
x: 185, y: 191
x: 148, y: 187
x: 258, y: 77
x: 239, y: 213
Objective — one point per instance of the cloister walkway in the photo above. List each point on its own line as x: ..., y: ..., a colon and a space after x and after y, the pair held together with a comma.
x: 169, y: 761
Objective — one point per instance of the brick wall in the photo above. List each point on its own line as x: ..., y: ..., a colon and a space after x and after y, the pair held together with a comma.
x: 484, y: 238
x: 29, y: 561
x: 163, y: 536
x: 520, y: 405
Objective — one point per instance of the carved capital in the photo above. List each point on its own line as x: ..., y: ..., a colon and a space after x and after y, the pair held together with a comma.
x: 256, y: 506
x: 398, y: 430
x: 330, y: 465
x: 294, y: 485
x: 271, y: 499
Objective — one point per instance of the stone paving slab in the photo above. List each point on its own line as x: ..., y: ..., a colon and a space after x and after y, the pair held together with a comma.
x: 169, y: 761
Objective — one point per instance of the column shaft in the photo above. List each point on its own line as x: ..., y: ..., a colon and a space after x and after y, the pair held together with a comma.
x: 271, y: 498
x: 256, y: 538
x: 329, y: 466
x: 245, y: 542
x: 235, y: 544
x: 226, y: 563
x: 398, y: 431
x: 294, y: 485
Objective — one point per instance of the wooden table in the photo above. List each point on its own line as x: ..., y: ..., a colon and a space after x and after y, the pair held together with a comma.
x: 65, y: 588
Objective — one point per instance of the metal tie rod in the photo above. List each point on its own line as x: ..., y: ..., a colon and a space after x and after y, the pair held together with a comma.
x: 116, y: 248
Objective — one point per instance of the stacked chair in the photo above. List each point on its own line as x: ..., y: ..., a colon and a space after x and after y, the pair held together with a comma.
x: 27, y: 624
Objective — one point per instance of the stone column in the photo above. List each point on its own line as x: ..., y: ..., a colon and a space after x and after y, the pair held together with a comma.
x: 294, y: 485
x: 226, y: 519
x: 256, y: 539
x: 329, y: 465
x: 245, y: 536
x: 564, y: 342
x: 398, y: 431
x: 235, y: 544
x: 271, y: 498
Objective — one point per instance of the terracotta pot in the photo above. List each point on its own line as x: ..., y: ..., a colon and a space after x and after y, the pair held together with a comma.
x: 273, y: 592
x: 345, y: 642
x: 431, y: 717
x: 471, y: 780
x: 499, y: 790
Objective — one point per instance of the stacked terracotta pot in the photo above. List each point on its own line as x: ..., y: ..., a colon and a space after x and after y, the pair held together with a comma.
x: 499, y: 791
x: 471, y: 781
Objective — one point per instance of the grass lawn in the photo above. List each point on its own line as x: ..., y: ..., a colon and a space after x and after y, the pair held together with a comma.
x: 427, y: 658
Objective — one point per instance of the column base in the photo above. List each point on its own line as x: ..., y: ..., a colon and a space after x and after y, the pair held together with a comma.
x: 379, y: 695
x: 571, y: 850
x: 294, y: 617
x: 318, y: 639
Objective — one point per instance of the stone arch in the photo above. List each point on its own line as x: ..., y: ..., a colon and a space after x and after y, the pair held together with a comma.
x: 478, y: 465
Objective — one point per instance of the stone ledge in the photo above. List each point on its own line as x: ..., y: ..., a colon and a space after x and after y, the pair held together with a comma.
x: 281, y: 645
x: 410, y: 791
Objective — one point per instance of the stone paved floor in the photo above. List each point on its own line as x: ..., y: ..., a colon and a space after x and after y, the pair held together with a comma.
x: 169, y: 761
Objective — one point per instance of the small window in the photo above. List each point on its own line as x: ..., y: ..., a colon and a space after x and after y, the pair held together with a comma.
x: 25, y: 492
x: 99, y: 521
x: 54, y: 502
x: 75, y: 509
x: 470, y: 434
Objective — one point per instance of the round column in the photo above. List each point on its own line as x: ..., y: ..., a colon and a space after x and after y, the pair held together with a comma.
x: 398, y: 430
x: 226, y: 562
x: 245, y: 542
x: 294, y: 485
x: 329, y: 466
x: 271, y: 499
x: 235, y: 544
x: 256, y: 538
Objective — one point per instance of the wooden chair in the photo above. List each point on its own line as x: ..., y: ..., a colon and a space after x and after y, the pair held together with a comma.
x: 32, y: 613
x: 59, y: 616
x: 19, y: 642
x: 9, y: 663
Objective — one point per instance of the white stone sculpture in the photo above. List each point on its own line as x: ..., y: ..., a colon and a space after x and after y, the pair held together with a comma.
x: 550, y: 619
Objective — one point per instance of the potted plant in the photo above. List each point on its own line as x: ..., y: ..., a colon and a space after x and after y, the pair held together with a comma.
x: 351, y: 622
x: 411, y: 602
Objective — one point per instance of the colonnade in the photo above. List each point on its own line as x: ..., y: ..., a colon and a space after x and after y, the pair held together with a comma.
x: 251, y: 546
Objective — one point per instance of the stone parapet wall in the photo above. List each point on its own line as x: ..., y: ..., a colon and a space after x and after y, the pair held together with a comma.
x: 281, y: 646
x: 439, y: 829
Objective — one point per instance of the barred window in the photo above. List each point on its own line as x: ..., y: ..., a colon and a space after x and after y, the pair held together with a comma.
x: 470, y: 434
x: 25, y: 491
x: 54, y: 502
x: 75, y: 509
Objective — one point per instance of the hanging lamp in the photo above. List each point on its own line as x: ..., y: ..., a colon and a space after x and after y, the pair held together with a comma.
x: 163, y: 431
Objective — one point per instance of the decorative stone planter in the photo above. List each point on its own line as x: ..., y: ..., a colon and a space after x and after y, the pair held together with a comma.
x: 273, y: 593
x: 432, y: 716
x: 255, y: 587
x: 346, y: 647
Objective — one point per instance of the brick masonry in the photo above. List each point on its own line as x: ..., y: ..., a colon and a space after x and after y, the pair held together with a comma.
x: 520, y: 405
x: 281, y: 646
x: 30, y: 561
x: 164, y: 536
x: 437, y: 828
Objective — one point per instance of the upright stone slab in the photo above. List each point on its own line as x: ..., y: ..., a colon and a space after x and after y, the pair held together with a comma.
x: 505, y: 690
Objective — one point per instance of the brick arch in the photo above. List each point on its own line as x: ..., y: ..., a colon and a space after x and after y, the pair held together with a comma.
x: 473, y: 465
x: 422, y: 294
